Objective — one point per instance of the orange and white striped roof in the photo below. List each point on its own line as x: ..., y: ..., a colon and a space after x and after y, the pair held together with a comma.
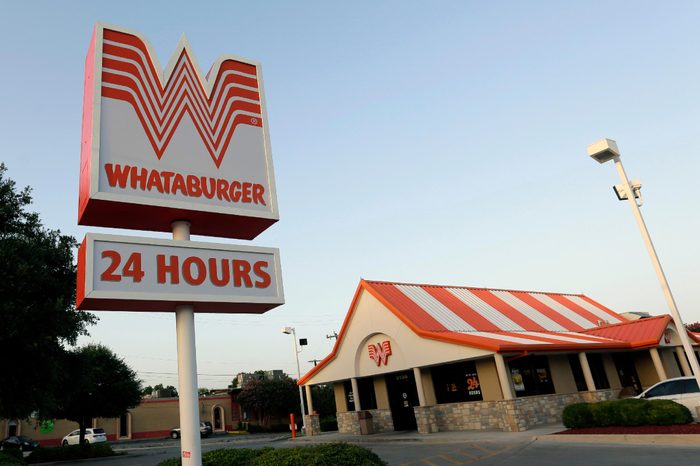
x: 497, y: 319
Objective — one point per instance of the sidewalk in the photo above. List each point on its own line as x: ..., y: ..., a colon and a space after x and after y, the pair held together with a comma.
x: 540, y: 434
x: 438, y: 437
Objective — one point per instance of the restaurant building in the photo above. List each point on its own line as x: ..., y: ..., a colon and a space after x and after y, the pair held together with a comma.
x: 443, y: 358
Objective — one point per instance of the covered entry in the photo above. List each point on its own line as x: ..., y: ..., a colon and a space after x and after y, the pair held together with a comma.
x: 403, y: 396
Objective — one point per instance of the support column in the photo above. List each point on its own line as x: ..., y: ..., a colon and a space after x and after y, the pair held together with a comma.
x: 355, y: 394
x: 590, y: 383
x: 682, y: 358
x: 419, y: 386
x: 503, y: 377
x: 658, y: 365
x: 309, y: 401
x: 190, y: 443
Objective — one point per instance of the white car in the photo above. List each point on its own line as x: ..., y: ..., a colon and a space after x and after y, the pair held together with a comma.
x: 682, y: 390
x: 95, y: 435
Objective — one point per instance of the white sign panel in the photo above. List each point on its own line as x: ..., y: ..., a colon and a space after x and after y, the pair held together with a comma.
x: 160, y: 145
x: 146, y: 274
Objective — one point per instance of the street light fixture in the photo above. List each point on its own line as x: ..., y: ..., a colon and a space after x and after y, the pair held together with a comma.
x: 603, y: 151
x: 292, y: 331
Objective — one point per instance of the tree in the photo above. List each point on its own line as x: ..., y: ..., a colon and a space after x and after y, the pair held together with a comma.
x: 161, y: 391
x: 97, y: 383
x: 694, y: 327
x: 37, y: 312
x: 270, y: 398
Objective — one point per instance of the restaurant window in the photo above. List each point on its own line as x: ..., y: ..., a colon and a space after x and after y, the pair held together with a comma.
x: 531, y: 376
x: 368, y: 400
x: 349, y: 395
x: 600, y: 378
x: 454, y: 383
x: 577, y: 371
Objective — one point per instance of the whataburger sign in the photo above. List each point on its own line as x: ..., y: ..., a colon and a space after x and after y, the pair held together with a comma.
x: 163, y: 144
x: 159, y: 146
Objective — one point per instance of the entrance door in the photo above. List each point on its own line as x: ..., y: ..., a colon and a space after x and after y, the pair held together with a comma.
x: 403, y: 396
x: 627, y: 372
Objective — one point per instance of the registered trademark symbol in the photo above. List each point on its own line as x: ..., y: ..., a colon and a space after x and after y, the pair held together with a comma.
x: 254, y: 121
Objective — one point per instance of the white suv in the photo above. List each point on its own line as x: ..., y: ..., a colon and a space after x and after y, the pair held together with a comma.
x: 682, y: 390
x: 95, y: 435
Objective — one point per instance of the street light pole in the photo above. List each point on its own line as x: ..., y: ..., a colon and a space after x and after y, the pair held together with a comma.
x: 603, y: 151
x: 292, y: 331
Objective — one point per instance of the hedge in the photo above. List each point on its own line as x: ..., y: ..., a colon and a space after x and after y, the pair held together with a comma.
x: 627, y: 412
x: 70, y: 452
x: 331, y: 454
x: 11, y: 457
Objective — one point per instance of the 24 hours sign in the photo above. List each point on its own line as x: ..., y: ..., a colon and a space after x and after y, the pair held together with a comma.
x: 147, y: 274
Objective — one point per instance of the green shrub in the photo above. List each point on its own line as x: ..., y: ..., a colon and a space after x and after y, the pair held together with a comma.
x: 11, y: 457
x: 627, y: 412
x: 633, y: 412
x: 332, y: 454
x: 606, y: 413
x: 70, y: 452
x: 667, y: 412
x: 577, y: 415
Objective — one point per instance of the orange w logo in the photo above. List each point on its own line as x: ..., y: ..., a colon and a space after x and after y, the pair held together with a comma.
x: 380, y: 352
x: 231, y: 98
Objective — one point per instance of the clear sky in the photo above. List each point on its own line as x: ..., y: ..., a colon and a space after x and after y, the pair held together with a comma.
x: 429, y: 142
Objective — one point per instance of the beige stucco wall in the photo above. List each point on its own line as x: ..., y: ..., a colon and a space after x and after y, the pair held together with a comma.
x: 645, y: 368
x: 428, y: 387
x: 339, y: 392
x: 669, y: 362
x: 611, y: 372
x: 372, y: 323
x: 488, y: 379
x: 562, y: 377
x: 381, y: 392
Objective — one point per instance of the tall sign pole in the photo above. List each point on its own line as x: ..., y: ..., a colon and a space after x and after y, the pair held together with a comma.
x: 174, y: 150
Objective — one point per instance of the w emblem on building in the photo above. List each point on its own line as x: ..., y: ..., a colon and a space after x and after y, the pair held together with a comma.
x: 229, y: 96
x: 380, y: 352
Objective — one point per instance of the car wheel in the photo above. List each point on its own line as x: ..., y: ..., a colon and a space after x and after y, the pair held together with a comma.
x: 86, y: 442
x: 65, y: 443
x: 174, y: 435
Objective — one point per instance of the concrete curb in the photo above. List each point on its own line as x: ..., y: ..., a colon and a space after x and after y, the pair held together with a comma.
x: 637, y: 439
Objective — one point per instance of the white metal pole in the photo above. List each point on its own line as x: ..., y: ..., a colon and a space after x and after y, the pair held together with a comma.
x: 301, y: 393
x: 190, y: 442
x: 682, y: 332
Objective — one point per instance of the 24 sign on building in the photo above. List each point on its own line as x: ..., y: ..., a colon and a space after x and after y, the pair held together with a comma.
x: 162, y: 145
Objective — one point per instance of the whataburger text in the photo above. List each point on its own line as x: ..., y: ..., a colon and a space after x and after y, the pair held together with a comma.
x: 169, y: 182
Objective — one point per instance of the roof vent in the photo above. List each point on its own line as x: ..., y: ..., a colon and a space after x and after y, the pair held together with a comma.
x: 602, y: 323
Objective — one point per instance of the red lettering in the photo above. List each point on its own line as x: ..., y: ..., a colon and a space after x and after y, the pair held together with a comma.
x: 179, y: 183
x: 166, y: 180
x: 214, y: 272
x: 154, y: 181
x: 132, y: 268
x: 117, y: 176
x: 193, y: 186
x: 246, y: 192
x: 241, y: 272
x: 258, y: 192
x: 187, y: 270
x: 109, y: 275
x: 235, y: 191
x: 222, y: 190
x: 265, y: 279
x: 209, y: 190
x: 140, y: 177
x: 164, y: 269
